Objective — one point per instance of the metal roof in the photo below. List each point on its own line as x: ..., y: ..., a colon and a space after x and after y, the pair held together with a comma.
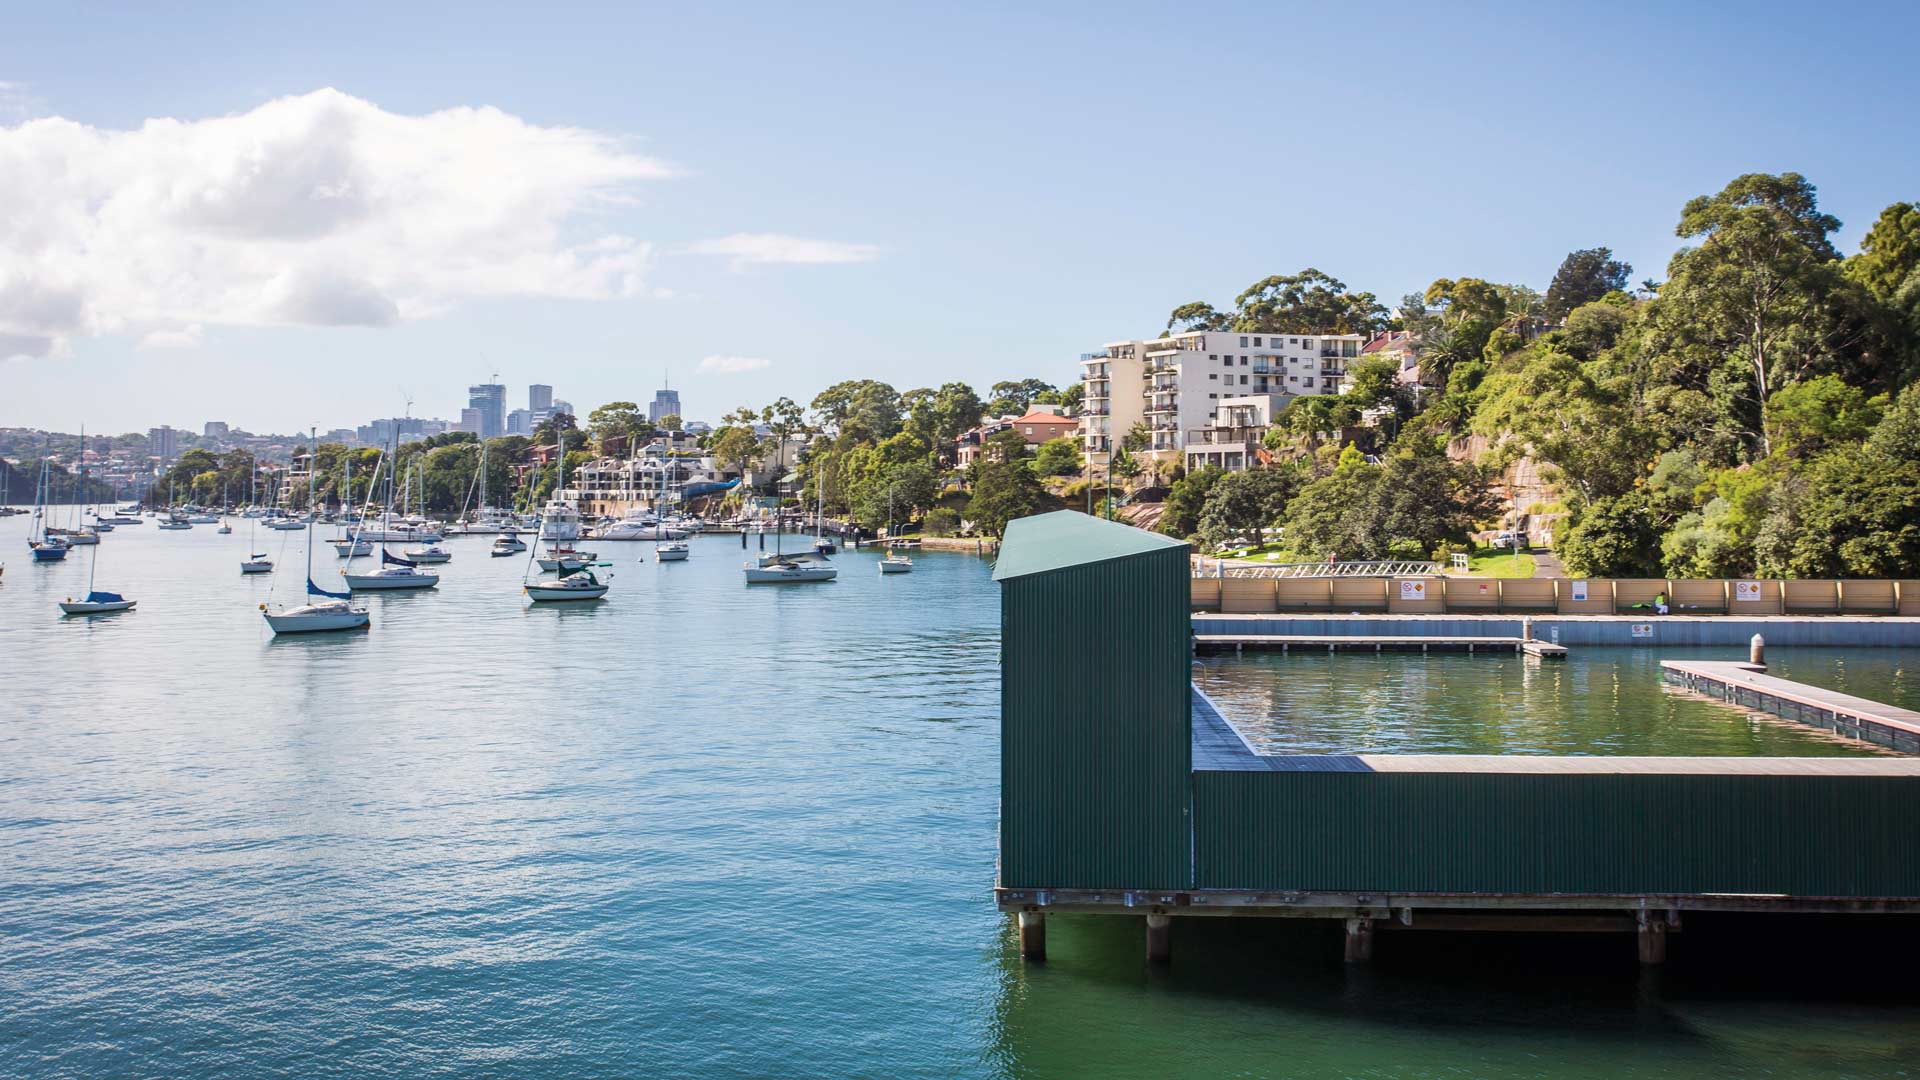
x: 1045, y: 542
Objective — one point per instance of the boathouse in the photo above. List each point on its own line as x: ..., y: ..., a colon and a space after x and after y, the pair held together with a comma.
x: 1125, y: 792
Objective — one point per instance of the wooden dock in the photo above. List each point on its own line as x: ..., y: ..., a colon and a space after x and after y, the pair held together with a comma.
x: 1216, y: 643
x: 1748, y: 686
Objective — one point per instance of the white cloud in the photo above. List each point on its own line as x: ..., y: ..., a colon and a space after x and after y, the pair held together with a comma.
x: 748, y: 249
x: 320, y: 210
x: 732, y: 365
x: 187, y: 337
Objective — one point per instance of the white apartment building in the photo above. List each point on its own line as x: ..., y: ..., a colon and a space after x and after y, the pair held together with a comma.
x: 1177, y: 383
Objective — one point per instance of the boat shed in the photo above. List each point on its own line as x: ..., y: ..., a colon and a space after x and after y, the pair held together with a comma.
x: 1125, y: 791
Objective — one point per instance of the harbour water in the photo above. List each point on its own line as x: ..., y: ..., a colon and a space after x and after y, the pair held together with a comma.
x: 710, y: 830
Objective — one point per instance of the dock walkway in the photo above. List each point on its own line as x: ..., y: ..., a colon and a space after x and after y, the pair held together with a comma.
x: 1213, y: 643
x: 1748, y: 685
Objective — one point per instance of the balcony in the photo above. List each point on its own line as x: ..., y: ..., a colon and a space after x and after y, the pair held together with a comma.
x: 1333, y: 369
x: 1239, y: 437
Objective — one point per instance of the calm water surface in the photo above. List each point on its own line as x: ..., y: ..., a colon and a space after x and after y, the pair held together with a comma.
x: 706, y: 830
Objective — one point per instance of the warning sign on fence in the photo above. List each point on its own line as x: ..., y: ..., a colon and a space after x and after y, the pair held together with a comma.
x: 1413, y: 589
x: 1746, y: 590
x: 1579, y: 590
x: 1643, y: 629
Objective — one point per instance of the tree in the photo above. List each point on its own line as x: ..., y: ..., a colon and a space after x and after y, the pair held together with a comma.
x: 1180, y: 513
x: 1121, y: 463
x: 1613, y: 537
x: 1003, y: 490
x: 733, y: 447
x: 671, y: 422
x: 621, y: 420
x: 1243, y: 503
x: 1584, y: 277
x: 1058, y: 457
x: 1138, y: 437
x: 1806, y: 417
x: 1309, y: 302
x: 1016, y: 397
x: 1760, y: 301
x: 910, y: 487
x: 1323, y: 519
x: 1554, y: 411
x: 1890, y: 252
x: 869, y: 409
x: 1851, y: 513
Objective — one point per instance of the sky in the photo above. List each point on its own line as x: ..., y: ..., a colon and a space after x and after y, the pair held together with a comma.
x: 282, y: 216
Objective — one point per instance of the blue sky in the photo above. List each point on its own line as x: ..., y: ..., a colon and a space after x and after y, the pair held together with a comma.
x: 973, y: 192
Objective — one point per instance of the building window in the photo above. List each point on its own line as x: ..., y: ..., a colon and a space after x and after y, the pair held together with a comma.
x: 1243, y: 363
x: 1213, y: 375
x: 1213, y: 395
x: 1243, y: 343
x: 1293, y: 341
x: 1256, y: 343
x: 1212, y: 356
x: 1243, y: 380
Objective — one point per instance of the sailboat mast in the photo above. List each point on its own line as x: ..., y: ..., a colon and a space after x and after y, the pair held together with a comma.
x: 313, y: 451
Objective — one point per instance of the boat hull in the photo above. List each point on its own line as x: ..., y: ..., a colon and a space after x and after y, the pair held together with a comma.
x: 555, y: 594
x: 81, y: 607
x: 49, y: 554
x: 766, y: 575
x: 256, y: 568
x: 672, y: 555
x: 887, y: 566
x: 375, y: 582
x: 315, y: 624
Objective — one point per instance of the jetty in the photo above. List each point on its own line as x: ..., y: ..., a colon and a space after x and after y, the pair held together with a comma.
x: 1126, y: 793
x: 1749, y: 686
x: 1237, y: 643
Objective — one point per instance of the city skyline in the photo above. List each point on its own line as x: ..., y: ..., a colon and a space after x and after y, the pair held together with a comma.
x: 325, y: 208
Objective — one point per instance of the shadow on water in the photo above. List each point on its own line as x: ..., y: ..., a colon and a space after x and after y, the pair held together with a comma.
x: 1741, y: 995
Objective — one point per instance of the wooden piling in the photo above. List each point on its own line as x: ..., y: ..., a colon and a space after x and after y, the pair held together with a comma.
x: 1359, y: 941
x: 1033, y: 935
x: 1159, y: 938
x: 1652, y: 937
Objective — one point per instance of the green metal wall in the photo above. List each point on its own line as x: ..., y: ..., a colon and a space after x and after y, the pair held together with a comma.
x: 1569, y: 833
x: 1096, y: 745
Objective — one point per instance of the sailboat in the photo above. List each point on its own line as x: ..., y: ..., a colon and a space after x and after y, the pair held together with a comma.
x: 349, y: 543
x: 893, y: 563
x: 577, y: 579
x: 97, y: 602
x: 225, y: 528
x: 821, y: 544
x: 48, y: 548
x: 331, y: 611
x: 173, y: 522
x: 674, y: 550
x: 780, y: 568
x: 395, y: 573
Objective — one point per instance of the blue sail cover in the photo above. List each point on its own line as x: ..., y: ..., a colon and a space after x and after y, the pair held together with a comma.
x: 389, y: 557
x: 105, y: 598
x: 315, y: 590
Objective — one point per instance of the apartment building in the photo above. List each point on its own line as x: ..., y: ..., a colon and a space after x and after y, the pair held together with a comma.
x: 1177, y: 383
x: 1233, y: 438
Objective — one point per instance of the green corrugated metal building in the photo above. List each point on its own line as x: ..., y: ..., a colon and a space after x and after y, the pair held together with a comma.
x: 1095, y: 749
x: 1123, y: 790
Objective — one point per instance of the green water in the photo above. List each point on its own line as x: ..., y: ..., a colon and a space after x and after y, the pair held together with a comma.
x: 708, y: 830
x: 1598, y: 701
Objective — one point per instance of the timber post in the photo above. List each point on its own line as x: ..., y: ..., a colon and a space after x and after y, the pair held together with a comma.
x: 1359, y: 941
x: 1033, y: 935
x: 1652, y: 937
x: 1757, y: 651
x: 1159, y: 938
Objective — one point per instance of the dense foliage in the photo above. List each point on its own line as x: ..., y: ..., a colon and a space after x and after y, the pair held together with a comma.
x: 1754, y: 414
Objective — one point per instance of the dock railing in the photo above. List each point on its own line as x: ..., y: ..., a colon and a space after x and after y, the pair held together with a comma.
x: 1394, y: 589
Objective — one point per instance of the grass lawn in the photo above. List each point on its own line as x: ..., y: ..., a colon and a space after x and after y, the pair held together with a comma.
x: 1488, y: 562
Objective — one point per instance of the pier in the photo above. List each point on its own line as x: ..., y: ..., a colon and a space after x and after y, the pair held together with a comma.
x: 1126, y: 793
x: 1749, y: 686
x: 1217, y: 643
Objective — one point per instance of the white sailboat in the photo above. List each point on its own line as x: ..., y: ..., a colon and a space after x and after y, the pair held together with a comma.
x: 49, y: 547
x: 331, y: 611
x: 96, y: 602
x: 676, y: 548
x: 893, y: 563
x: 782, y: 569
x: 577, y: 579
x: 395, y: 573
x: 255, y: 562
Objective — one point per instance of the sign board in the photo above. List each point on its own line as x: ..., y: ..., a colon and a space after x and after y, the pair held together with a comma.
x: 1413, y: 589
x: 1579, y: 590
x: 1643, y: 629
x: 1746, y: 590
